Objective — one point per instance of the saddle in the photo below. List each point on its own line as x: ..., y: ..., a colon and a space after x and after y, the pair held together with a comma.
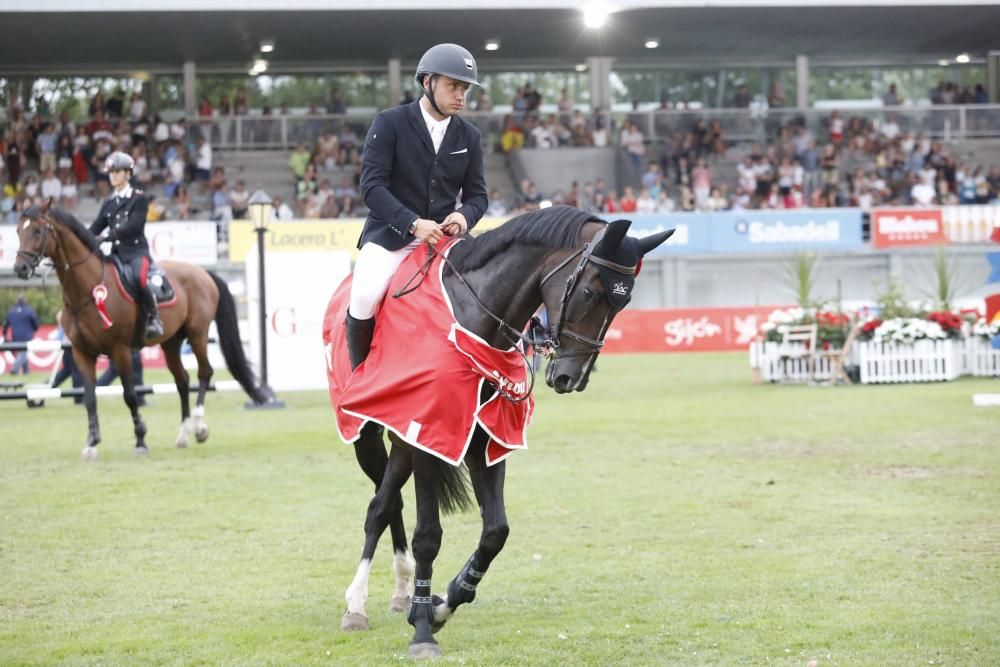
x: 156, y: 278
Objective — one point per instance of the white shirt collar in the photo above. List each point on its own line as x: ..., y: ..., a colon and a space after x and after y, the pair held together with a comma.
x: 436, y: 128
x: 123, y: 194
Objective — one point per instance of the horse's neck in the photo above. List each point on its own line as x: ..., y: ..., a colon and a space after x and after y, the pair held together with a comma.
x: 508, y: 286
x: 78, y: 268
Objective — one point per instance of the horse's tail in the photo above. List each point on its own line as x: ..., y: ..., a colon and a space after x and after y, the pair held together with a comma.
x: 451, y: 485
x: 232, y: 347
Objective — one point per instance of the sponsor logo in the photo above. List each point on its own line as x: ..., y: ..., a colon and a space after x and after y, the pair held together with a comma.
x: 508, y: 387
x: 685, y: 330
x: 746, y: 328
x: 619, y: 289
x: 779, y: 232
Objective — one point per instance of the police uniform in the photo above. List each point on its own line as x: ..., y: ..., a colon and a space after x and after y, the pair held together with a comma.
x: 124, y: 214
x: 413, y: 166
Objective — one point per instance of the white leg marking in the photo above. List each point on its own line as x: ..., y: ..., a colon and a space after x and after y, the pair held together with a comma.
x: 443, y: 612
x: 357, y: 592
x: 184, y: 434
x: 200, y: 427
x: 403, y: 567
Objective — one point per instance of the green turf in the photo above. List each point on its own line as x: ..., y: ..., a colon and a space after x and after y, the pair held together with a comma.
x: 672, y: 514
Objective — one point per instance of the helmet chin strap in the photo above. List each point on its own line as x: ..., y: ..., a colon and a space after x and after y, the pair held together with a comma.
x: 429, y: 94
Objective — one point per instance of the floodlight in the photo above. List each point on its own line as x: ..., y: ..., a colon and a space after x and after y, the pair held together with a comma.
x: 492, y: 45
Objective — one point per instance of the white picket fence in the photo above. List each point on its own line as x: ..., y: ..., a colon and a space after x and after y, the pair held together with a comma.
x: 921, y: 361
x: 788, y: 362
x: 980, y: 359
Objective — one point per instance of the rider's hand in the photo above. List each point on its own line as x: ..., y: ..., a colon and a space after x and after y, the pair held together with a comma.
x: 427, y: 231
x: 455, y: 224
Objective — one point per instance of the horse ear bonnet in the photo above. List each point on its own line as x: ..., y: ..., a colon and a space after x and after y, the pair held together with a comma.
x: 618, y: 247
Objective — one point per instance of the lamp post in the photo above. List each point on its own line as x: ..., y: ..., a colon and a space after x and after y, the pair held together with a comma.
x: 260, y: 208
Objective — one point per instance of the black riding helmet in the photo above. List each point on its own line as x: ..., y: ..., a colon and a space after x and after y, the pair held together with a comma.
x: 450, y: 60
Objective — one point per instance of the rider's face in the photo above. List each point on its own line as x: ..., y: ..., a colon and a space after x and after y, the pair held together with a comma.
x: 118, y: 177
x: 449, y: 95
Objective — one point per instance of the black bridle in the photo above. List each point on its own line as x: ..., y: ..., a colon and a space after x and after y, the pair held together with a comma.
x: 545, y: 339
x: 31, y: 258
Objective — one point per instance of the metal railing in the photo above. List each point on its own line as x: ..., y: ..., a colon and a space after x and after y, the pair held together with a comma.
x: 948, y: 123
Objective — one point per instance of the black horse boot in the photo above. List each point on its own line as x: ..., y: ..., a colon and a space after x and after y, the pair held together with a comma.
x: 154, y: 326
x: 359, y: 339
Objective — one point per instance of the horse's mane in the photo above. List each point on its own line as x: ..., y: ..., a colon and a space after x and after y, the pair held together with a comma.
x: 554, y: 227
x: 69, y: 221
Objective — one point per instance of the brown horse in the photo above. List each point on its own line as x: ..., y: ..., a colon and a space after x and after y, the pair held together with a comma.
x: 100, y: 319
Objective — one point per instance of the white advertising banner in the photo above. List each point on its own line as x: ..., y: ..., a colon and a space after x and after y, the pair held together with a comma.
x: 8, y: 246
x: 193, y: 242
x: 299, y: 286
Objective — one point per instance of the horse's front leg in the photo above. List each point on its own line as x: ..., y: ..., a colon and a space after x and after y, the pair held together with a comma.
x: 488, y: 484
x: 123, y: 360
x: 426, y: 544
x: 87, y: 364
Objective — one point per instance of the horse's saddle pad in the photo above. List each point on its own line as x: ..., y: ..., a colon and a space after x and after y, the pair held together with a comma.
x: 156, y: 277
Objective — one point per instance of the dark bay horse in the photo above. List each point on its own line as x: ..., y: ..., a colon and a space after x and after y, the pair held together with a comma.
x: 582, y: 270
x: 201, y: 296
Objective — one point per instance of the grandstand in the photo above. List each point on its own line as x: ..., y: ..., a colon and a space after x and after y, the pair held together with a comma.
x: 569, y: 113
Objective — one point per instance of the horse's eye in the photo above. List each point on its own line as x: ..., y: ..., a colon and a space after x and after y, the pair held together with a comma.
x: 588, y: 293
x: 36, y: 231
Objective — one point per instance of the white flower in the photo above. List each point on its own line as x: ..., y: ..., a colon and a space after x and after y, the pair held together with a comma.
x: 907, y: 330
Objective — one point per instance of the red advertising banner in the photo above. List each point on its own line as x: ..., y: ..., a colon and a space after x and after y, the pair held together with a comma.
x: 152, y: 357
x: 685, y: 329
x: 895, y: 227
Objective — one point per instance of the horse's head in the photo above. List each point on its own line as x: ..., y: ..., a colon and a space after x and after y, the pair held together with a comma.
x: 599, y: 284
x: 35, y: 239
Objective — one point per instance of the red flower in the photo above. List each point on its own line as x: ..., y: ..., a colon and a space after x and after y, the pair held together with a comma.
x: 871, y: 325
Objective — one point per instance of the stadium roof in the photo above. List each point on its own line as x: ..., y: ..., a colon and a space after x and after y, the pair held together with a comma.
x: 531, y: 34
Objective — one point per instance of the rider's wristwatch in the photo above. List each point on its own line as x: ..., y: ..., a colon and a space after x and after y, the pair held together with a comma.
x: 413, y: 226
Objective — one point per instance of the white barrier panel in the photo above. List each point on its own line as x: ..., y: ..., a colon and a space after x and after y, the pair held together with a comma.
x: 970, y: 224
x: 298, y: 289
x: 193, y: 242
x: 8, y: 246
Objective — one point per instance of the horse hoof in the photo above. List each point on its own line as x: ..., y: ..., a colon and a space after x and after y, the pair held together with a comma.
x: 399, y: 604
x: 201, y: 434
x: 181, y: 442
x: 89, y: 454
x: 352, y: 622
x: 142, y: 450
x: 425, y: 650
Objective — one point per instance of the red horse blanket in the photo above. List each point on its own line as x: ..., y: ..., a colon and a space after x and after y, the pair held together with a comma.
x: 423, y: 376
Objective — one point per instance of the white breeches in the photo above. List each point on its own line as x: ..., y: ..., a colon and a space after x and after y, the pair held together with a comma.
x: 373, y: 272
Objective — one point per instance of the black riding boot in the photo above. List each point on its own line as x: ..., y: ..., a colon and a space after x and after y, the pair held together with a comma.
x: 359, y: 339
x: 154, y: 327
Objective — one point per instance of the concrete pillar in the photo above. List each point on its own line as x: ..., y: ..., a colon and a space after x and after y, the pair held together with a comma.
x: 600, y: 82
x: 802, y: 82
x: 395, y: 82
x: 993, y: 76
x: 190, y: 99
x: 154, y: 95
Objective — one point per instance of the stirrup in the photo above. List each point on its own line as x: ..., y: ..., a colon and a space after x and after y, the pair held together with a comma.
x: 154, y: 328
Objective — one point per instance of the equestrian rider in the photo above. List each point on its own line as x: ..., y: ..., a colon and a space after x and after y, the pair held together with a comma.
x: 123, y: 221
x: 416, y: 162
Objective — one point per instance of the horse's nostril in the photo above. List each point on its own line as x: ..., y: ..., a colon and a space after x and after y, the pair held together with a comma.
x: 563, y: 383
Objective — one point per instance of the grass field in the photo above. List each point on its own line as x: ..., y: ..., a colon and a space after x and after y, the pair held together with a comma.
x: 672, y: 514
